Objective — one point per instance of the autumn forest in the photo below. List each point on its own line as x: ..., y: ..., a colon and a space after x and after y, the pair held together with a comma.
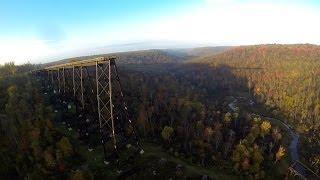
x: 231, y: 112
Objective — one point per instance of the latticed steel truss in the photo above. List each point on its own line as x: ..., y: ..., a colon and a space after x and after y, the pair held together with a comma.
x: 95, y: 83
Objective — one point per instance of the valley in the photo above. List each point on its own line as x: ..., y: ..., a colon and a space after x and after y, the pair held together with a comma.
x: 221, y: 112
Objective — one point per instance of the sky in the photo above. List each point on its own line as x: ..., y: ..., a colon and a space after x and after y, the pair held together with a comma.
x: 39, y: 31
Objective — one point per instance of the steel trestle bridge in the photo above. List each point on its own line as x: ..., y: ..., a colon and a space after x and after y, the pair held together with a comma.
x: 95, y: 85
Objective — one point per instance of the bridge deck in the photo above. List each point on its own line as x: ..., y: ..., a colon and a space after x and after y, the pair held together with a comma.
x: 87, y: 62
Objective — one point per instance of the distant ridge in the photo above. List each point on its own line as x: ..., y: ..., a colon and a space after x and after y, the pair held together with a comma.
x: 262, y: 55
x: 154, y: 56
x: 201, y: 51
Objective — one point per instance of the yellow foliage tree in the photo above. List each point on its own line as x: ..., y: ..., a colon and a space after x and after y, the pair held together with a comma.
x: 265, y: 128
x: 227, y: 117
x: 280, y: 153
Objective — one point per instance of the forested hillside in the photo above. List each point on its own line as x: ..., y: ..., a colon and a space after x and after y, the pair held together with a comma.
x: 31, y: 145
x: 183, y: 116
x: 189, y: 107
x: 285, y: 79
x: 197, y: 116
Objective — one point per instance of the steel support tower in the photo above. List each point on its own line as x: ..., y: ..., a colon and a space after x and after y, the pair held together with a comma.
x: 95, y: 84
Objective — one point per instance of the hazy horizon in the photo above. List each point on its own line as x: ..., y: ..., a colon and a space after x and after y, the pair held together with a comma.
x: 130, y: 47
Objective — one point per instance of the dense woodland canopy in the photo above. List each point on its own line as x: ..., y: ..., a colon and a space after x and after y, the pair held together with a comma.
x: 285, y: 79
x: 187, y: 106
x: 182, y: 101
x: 30, y: 144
